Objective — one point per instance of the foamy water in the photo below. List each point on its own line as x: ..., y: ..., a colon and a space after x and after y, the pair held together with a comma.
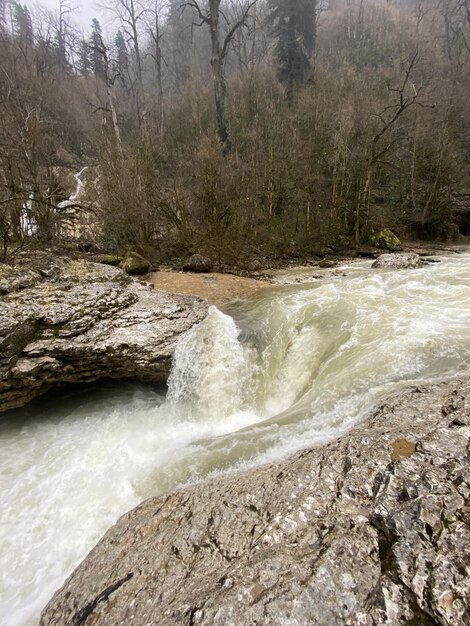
x: 293, y: 367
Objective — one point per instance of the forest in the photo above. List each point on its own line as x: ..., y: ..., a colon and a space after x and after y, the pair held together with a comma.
x: 233, y: 128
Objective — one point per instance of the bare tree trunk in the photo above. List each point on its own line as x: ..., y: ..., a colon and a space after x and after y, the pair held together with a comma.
x: 158, y: 58
x: 114, y: 117
x: 362, y: 207
x: 217, y: 63
x: 130, y: 14
x: 219, y: 50
x: 140, y: 96
x: 110, y: 106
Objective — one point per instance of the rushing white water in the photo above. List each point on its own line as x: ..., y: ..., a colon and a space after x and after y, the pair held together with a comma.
x: 293, y: 367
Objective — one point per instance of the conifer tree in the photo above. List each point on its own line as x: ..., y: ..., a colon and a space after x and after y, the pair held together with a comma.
x: 23, y: 26
x: 96, y: 49
x: 294, y: 28
x: 84, y: 61
x: 122, y: 59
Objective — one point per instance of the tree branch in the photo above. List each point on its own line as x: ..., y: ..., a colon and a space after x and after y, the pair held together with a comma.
x: 235, y: 27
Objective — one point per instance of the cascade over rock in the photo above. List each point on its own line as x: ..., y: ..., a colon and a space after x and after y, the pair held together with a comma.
x: 76, y: 321
x: 371, y: 529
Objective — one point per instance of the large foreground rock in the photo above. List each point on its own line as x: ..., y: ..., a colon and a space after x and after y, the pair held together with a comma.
x: 75, y: 321
x: 371, y: 529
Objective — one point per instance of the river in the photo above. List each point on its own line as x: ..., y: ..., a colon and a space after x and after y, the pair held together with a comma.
x: 291, y: 367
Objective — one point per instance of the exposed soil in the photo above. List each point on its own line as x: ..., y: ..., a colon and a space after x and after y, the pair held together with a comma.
x: 216, y: 288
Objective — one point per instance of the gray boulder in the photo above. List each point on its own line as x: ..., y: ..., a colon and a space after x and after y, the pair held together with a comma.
x: 398, y: 261
x: 371, y: 529
x: 85, y: 322
x: 198, y: 263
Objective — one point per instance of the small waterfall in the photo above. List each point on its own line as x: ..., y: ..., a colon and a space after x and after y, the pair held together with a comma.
x: 213, y: 373
x: 27, y: 221
x: 66, y: 203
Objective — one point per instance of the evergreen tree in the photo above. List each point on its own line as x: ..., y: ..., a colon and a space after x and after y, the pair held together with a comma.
x: 84, y: 61
x: 122, y: 59
x: 63, y: 36
x: 294, y: 28
x: 22, y: 26
x: 96, y: 49
x: 179, y: 25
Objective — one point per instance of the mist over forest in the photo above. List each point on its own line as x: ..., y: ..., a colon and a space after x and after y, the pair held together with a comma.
x: 233, y: 128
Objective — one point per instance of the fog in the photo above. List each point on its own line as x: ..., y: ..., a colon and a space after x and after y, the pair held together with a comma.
x: 83, y: 10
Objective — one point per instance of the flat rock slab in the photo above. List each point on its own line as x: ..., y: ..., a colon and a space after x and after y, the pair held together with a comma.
x: 371, y: 529
x: 77, y: 321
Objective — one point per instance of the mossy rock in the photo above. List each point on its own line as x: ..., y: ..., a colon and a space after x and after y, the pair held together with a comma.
x: 386, y: 240
x: 109, y: 259
x: 134, y: 263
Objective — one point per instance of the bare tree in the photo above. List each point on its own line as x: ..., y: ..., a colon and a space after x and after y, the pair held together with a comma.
x: 211, y: 17
x: 131, y: 15
x: 109, y: 79
x: 407, y: 95
x: 156, y: 34
x: 251, y: 45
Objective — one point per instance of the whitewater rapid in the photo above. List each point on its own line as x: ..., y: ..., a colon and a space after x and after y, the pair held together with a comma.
x: 295, y: 366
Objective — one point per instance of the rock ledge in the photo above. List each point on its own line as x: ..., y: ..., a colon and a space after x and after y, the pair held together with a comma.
x: 76, y: 321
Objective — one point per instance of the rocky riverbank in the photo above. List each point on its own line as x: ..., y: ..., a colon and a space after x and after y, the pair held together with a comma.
x: 70, y: 320
x: 373, y: 528
x: 73, y: 320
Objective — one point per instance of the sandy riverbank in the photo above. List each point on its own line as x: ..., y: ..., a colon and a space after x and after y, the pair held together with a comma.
x: 214, y: 287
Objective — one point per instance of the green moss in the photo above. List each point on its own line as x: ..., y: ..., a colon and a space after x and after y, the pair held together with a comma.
x: 134, y: 263
x: 385, y: 240
x: 109, y: 259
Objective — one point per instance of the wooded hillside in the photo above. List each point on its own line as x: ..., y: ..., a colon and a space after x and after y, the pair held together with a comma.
x: 234, y: 127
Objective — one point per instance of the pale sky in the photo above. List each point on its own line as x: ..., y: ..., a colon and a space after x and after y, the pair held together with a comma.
x: 85, y: 10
